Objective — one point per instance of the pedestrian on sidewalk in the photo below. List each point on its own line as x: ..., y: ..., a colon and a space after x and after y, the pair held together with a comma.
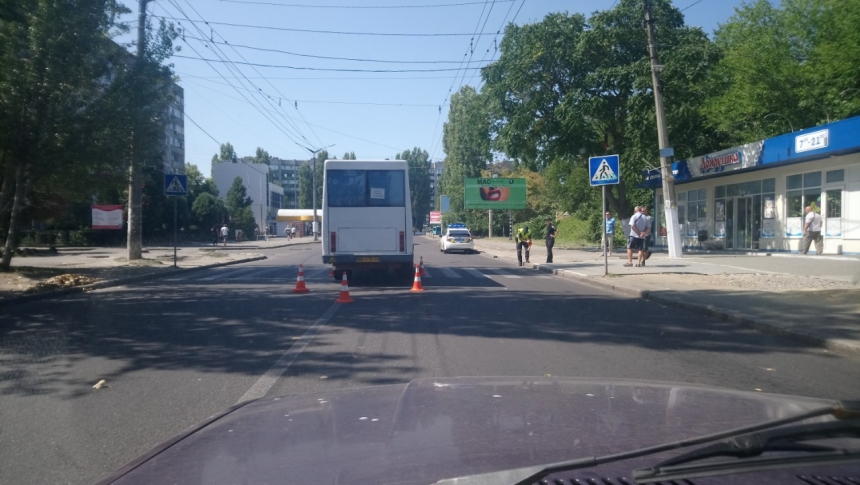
x: 214, y: 234
x: 524, y: 240
x: 812, y: 231
x: 266, y: 233
x: 636, y: 240
x: 287, y: 233
x: 292, y: 232
x: 610, y: 234
x: 647, y: 239
x: 551, y: 231
x: 224, y: 233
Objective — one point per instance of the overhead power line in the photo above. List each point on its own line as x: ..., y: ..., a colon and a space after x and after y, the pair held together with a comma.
x: 298, y: 68
x: 311, y: 31
x: 355, y: 59
x: 201, y: 129
x: 367, y: 7
x: 690, y: 5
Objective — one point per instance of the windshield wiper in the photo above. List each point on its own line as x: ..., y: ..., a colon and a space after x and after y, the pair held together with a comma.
x: 787, y: 440
x: 844, y: 410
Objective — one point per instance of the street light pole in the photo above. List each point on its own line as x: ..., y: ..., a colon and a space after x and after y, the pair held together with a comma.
x: 314, y: 187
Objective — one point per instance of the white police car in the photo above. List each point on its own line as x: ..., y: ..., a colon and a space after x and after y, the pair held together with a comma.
x: 457, y: 238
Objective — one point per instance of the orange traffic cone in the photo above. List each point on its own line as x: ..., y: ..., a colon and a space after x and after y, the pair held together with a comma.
x: 416, y: 285
x: 300, y: 282
x: 344, y: 291
x: 421, y: 267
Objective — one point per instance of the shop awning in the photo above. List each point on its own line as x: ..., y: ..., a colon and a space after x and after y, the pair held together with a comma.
x: 297, y: 215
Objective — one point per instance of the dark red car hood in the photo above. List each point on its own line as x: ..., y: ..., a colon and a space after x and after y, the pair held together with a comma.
x: 430, y: 429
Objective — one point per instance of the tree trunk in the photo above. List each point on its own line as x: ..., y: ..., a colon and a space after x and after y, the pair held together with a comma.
x: 134, y: 249
x: 17, y: 202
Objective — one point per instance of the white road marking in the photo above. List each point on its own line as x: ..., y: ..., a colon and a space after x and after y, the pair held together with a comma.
x: 474, y: 272
x: 503, y: 273
x: 450, y: 273
x: 267, y: 380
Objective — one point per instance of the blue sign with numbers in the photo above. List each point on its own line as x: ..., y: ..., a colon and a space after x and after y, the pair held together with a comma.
x: 175, y: 184
x: 604, y: 170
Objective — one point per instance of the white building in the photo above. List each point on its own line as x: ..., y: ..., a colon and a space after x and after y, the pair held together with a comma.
x: 266, y: 197
x: 752, y: 197
x: 174, y: 132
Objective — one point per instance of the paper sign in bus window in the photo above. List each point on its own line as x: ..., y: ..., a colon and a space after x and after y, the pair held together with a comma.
x: 377, y: 193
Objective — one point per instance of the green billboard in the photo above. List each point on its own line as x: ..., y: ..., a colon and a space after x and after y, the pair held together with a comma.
x: 497, y: 193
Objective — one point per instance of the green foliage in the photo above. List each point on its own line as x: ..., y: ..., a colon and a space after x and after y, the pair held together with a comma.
x: 466, y: 141
x: 419, y: 183
x: 305, y: 183
x: 261, y: 156
x: 237, y: 197
x: 349, y: 156
x: 244, y: 219
x: 209, y: 210
x: 785, y: 68
x: 567, y: 88
x: 227, y: 154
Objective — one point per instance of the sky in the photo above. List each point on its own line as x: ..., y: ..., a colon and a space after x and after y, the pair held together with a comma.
x: 298, y: 98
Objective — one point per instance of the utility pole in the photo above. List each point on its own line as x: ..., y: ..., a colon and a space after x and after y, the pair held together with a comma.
x: 135, y: 216
x: 673, y: 230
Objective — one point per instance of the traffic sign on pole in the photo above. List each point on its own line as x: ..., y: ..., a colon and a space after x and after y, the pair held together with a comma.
x: 175, y: 184
x: 604, y: 170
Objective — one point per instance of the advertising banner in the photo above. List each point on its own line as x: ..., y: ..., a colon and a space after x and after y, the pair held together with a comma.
x: 497, y: 193
x: 107, y: 217
x: 435, y: 217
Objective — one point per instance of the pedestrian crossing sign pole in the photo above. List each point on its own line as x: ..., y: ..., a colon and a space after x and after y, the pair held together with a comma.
x: 603, y: 171
x: 175, y: 185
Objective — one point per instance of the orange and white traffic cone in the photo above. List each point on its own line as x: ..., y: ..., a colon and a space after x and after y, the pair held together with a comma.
x: 416, y: 285
x: 344, y: 291
x: 300, y: 282
x: 421, y: 267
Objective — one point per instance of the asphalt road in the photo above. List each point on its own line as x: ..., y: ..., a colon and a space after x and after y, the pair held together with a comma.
x: 175, y: 351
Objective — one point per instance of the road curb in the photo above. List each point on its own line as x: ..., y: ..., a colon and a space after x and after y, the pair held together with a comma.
x: 709, y: 310
x: 23, y: 298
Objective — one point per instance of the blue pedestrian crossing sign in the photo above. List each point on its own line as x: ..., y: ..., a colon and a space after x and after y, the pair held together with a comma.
x: 175, y: 184
x: 604, y: 170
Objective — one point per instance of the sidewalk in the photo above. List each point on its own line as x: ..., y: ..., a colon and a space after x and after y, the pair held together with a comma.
x: 811, y: 298
x: 31, y: 276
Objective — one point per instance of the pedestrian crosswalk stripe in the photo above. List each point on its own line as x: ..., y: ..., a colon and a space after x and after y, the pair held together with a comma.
x: 450, y: 273
x: 474, y: 272
x: 503, y: 273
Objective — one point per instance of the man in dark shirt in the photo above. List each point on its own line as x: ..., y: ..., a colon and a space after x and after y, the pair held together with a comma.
x: 551, y: 231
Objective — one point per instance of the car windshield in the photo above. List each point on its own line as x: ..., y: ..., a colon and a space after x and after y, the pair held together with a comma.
x: 417, y: 237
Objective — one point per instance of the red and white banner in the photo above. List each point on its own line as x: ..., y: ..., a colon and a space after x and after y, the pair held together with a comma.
x: 107, y: 217
x: 435, y: 217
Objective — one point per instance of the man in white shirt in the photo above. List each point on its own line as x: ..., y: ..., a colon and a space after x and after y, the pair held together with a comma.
x: 636, y: 240
x: 812, y: 231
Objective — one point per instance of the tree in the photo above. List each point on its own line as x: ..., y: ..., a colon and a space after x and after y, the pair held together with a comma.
x: 466, y: 141
x: 226, y: 155
x: 239, y: 208
x: 305, y: 183
x: 209, y: 210
x: 419, y: 183
x: 261, y: 156
x: 567, y: 88
x: 237, y: 197
x: 349, y: 156
x: 72, y: 107
x: 785, y: 68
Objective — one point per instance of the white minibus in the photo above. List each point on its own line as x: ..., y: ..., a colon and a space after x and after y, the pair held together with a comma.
x: 367, y: 216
